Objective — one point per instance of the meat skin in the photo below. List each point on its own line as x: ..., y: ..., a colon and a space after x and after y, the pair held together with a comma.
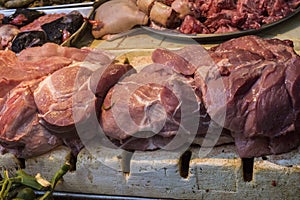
x: 120, y: 9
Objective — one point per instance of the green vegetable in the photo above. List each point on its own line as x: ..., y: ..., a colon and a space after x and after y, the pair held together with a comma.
x: 22, y: 186
x: 58, y: 175
x: 26, y: 194
x: 28, y: 180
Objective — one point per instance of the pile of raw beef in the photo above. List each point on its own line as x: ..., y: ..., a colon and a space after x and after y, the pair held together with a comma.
x: 215, y: 16
x: 51, y: 95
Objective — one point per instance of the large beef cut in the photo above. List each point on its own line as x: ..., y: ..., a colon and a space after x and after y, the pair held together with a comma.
x: 66, y: 99
x: 249, y: 86
x: 31, y: 65
x: 20, y: 130
x: 69, y: 90
x: 261, y: 81
x: 154, y: 108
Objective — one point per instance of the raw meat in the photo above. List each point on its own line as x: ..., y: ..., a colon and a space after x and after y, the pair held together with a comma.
x: 51, y: 50
x: 66, y: 99
x: 182, y: 7
x: 191, y: 25
x: 106, y: 77
x: 13, y: 71
x: 125, y: 16
x: 57, y: 96
x: 218, y: 16
x: 261, y: 78
x: 20, y: 130
x: 144, y: 111
x: 31, y: 64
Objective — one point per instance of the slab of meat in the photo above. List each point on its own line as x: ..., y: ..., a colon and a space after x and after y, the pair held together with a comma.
x: 187, y: 61
x: 66, y: 99
x: 152, y: 109
x: 13, y: 71
x: 59, y: 96
x: 20, y: 130
x: 55, y: 96
x: 262, y: 80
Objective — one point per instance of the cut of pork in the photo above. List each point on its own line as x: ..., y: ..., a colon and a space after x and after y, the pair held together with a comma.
x: 55, y: 95
x: 71, y: 89
x: 14, y: 71
x: 66, y: 99
x: 37, y: 62
x: 20, y: 130
x: 149, y: 109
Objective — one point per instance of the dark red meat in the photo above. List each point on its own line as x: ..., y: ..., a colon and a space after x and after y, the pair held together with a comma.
x: 261, y: 101
x: 191, y: 25
x: 221, y: 16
